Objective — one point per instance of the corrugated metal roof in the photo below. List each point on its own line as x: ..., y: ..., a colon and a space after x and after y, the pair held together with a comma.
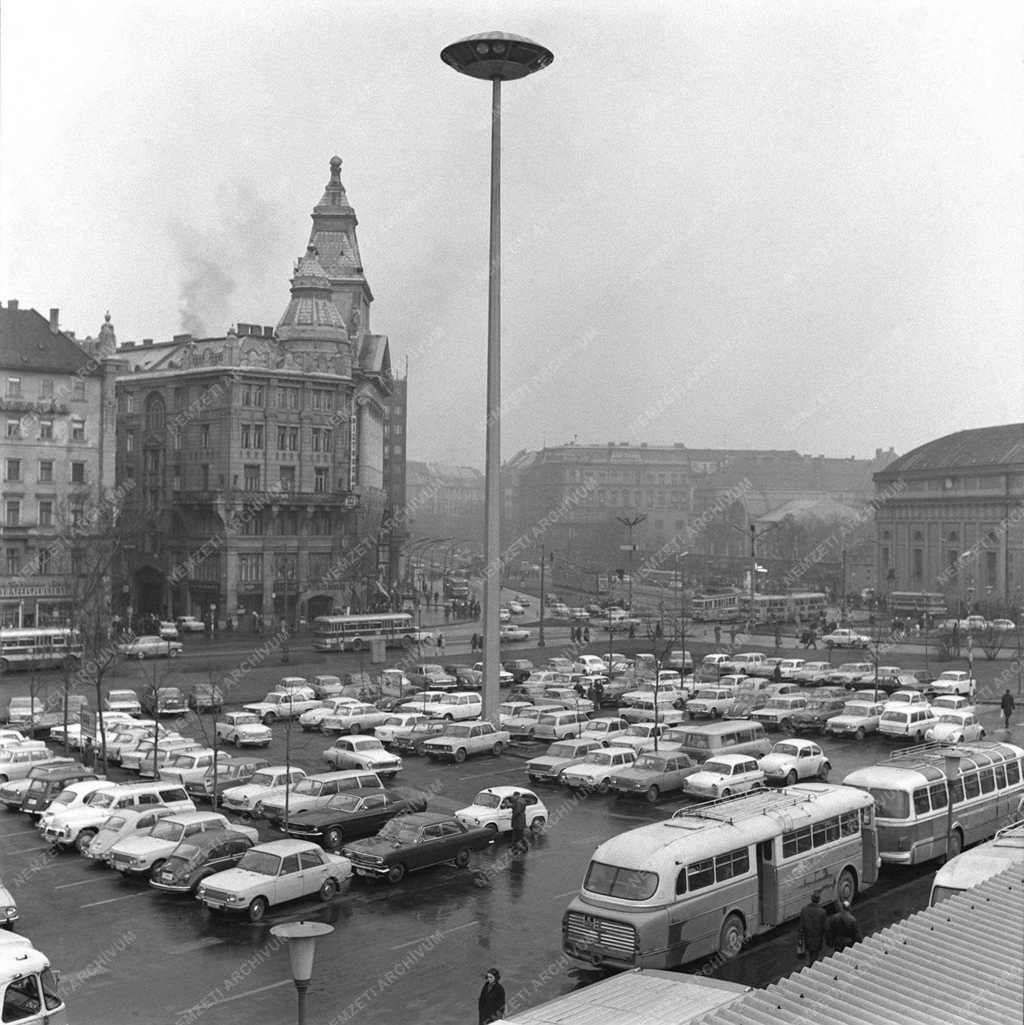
x: 960, y: 963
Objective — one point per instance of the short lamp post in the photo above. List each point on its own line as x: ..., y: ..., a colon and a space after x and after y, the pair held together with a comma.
x: 952, y: 771
x: 301, y: 937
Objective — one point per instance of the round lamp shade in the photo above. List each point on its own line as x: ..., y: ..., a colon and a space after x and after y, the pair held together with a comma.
x: 500, y: 55
x: 301, y: 937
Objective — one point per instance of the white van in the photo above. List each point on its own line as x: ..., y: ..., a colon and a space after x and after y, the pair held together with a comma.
x: 28, y: 988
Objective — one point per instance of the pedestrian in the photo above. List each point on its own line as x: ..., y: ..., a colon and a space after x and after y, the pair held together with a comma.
x: 472, y: 642
x: 1007, y: 704
x: 811, y: 936
x: 841, y: 929
x: 519, y: 821
x: 777, y: 673
x: 778, y: 636
x: 492, y: 998
x: 812, y: 639
x: 632, y: 631
x: 732, y: 634
x: 88, y: 753
x: 440, y: 643
x: 586, y: 635
x: 718, y: 634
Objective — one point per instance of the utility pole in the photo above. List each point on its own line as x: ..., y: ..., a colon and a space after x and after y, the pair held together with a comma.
x: 629, y: 523
x: 540, y: 638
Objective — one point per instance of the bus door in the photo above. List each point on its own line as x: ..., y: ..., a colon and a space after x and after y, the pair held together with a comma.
x: 768, y: 882
x: 869, y: 847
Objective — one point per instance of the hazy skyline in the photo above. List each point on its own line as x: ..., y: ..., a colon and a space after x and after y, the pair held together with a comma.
x: 748, y: 224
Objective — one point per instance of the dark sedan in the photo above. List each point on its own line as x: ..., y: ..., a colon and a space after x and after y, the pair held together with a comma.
x: 352, y: 815
x: 416, y: 841
x: 198, y: 857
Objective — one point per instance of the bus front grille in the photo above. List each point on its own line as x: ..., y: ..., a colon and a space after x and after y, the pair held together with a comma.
x: 591, y: 933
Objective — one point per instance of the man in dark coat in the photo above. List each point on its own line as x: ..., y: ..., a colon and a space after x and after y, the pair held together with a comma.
x: 812, y: 928
x: 1007, y: 704
x: 777, y: 673
x: 841, y: 929
x: 519, y: 821
x: 492, y: 998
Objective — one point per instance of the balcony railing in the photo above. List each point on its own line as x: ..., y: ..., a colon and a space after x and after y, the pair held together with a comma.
x: 10, y: 404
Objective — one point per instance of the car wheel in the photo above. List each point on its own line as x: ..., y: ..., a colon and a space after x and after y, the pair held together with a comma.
x: 497, y: 749
x: 354, y: 728
x: 257, y: 909
x: 715, y: 713
x: 462, y: 858
x: 791, y: 777
x: 157, y: 865
x: 727, y: 792
x: 653, y: 793
x: 860, y: 733
x: 786, y: 725
x: 269, y: 719
x: 460, y: 755
x: 333, y: 839
x: 84, y: 839
x: 328, y: 889
x: 173, y: 653
x: 846, y: 886
x: 236, y: 742
x: 604, y: 786
x: 396, y: 873
x: 140, y: 655
x: 538, y: 825
x: 449, y: 717
x: 981, y: 735
x: 732, y: 937
x: 824, y: 771
x: 492, y: 826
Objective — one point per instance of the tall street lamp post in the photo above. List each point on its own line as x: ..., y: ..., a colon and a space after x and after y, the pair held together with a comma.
x: 301, y: 938
x: 629, y: 523
x: 494, y: 57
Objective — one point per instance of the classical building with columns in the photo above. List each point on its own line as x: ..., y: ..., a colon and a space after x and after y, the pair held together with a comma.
x: 259, y: 457
x: 950, y: 519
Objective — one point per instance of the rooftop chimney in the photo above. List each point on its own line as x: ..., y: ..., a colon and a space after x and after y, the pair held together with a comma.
x: 12, y: 304
x: 147, y: 341
x: 54, y: 319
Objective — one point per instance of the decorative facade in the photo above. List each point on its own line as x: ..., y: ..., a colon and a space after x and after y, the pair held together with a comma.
x: 259, y: 456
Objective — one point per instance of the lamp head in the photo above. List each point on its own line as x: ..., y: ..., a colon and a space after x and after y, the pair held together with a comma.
x: 496, y: 55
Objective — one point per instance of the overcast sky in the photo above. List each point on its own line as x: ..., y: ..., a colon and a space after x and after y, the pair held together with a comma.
x: 778, y: 224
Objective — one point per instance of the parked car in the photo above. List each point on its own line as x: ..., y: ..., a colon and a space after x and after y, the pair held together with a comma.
x: 955, y: 728
x: 857, y: 719
x: 234, y: 772
x: 679, y: 659
x: 168, y: 630
x: 191, y: 766
x: 431, y: 676
x: 953, y: 681
x: 199, y: 857
x: 792, y: 760
x: 190, y: 625
x: 206, y: 697
x: 596, y: 771
x: 812, y: 718
x: 313, y: 719
x: 275, y: 873
x: 524, y: 722
x: 395, y: 722
x: 357, y: 718
x: 641, y: 736
x: 363, y: 753
x: 725, y: 776
x: 327, y: 686
x: 457, y: 706
x: 520, y: 668
x: 951, y: 703
x: 147, y: 757
x: 150, y: 647
x: 126, y: 701
x: 72, y: 795
x: 416, y: 841
x: 563, y: 697
x: 266, y: 784
x: 18, y: 762
x: 244, y: 729
x: 548, y: 767
x: 560, y: 723
x: 32, y: 793
x: 165, y: 701
x: 654, y: 774
x: 606, y: 729
x: 351, y: 815
x: 779, y: 710
x: 845, y: 637
x: 812, y: 674
x: 410, y: 739
x: 852, y: 674
x: 789, y: 667
x: 119, y: 826
x: 592, y: 665
x: 907, y: 720
x: 711, y: 703
x: 283, y: 704
x: 492, y: 809
x: 511, y: 632
x: 459, y: 740
x: 466, y: 677
x: 315, y: 791
x: 711, y: 666
x: 141, y: 855
x: 746, y: 662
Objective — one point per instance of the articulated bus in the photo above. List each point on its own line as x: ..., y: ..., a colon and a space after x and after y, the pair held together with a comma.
x: 38, y: 649
x: 715, y: 608
x: 798, y: 607
x: 912, y: 796
x: 354, y: 633
x: 713, y: 874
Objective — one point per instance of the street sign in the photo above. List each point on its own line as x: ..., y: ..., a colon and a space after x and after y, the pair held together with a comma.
x: 377, y: 655
x: 87, y: 720
x: 629, y: 548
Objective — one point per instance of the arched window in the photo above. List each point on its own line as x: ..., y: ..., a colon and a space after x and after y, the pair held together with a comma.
x: 154, y: 413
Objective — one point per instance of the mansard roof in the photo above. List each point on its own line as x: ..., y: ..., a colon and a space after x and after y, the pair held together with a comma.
x: 981, y: 447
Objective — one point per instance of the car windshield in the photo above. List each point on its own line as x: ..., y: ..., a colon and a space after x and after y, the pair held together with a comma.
x: 485, y: 799
x: 601, y: 726
x: 311, y: 787
x: 263, y: 779
x: 722, y: 768
x: 707, y: 695
x: 639, y: 731
x: 954, y: 676
x: 261, y: 862
x: 399, y: 832
x: 115, y: 823
x: 168, y: 831
x: 458, y: 731
x: 394, y: 720
x: 101, y: 799
x: 64, y: 797
x: 530, y: 713
x: 952, y: 717
x: 561, y: 751
x: 599, y: 758
x: 894, y: 716
x: 786, y: 748
x: 656, y: 762
x: 244, y: 720
x: 123, y: 695
x: 181, y: 761
x: 857, y: 708
x: 903, y: 697
x: 344, y: 802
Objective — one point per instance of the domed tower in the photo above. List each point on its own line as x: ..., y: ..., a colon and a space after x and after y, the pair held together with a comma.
x: 312, y: 323
x: 334, y: 238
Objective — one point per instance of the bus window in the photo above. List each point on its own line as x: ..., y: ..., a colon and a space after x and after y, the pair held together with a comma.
x: 825, y: 832
x: 796, y: 842
x: 1012, y: 773
x: 701, y: 874
x: 956, y: 790
x: 681, y: 881
x: 891, y: 804
x: 972, y: 788
x: 921, y: 805
x: 1000, y: 771
x: 733, y: 863
x: 937, y: 792
x: 849, y: 823
x: 988, y: 781
x: 626, y: 883
x: 21, y: 999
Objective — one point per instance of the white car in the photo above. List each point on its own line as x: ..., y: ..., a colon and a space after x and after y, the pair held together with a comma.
x: 516, y: 608
x: 903, y: 698
x: 192, y: 766
x: 267, y: 784
x: 396, y: 721
x: 313, y: 719
x: 850, y: 674
x: 74, y: 795
x: 510, y: 632
x: 190, y: 625
x: 459, y: 705
x: 144, y: 758
x: 283, y: 704
x: 813, y: 672
x: 363, y: 753
x: 423, y: 702
x: 150, y: 647
x: 955, y: 728
x: 844, y: 637
x: 595, y: 772
x: 724, y: 776
x: 911, y: 720
x: 357, y: 718
x: 273, y: 873
x: 492, y: 809
x: 141, y: 855
x: 607, y: 729
x: 122, y: 824
x: 126, y: 701
x: 641, y: 736
x: 592, y: 665
x: 168, y: 630
x: 792, y: 760
x: 8, y: 911
x: 948, y: 703
x: 953, y: 681
x: 789, y: 667
x: 857, y: 719
x: 509, y: 711
x: 244, y: 729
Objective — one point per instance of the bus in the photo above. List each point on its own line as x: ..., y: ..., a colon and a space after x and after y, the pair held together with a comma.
x: 354, y: 633
x: 916, y: 603
x: 912, y: 796
x: 702, y: 881
x: 797, y: 607
x: 38, y: 649
x: 456, y: 586
x: 715, y: 608
x: 28, y: 987
x: 979, y: 863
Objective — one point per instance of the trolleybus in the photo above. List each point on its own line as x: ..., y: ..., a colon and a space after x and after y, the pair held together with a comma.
x: 912, y: 795
x: 45, y: 648
x: 715, y: 608
x: 797, y: 607
x: 354, y: 633
x: 713, y: 874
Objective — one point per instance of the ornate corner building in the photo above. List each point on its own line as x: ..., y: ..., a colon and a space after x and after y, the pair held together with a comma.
x: 259, y: 457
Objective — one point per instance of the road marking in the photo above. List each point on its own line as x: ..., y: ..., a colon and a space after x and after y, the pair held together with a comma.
x: 500, y: 772
x: 445, y: 932
x: 23, y: 832
x: 114, y: 900
x: 81, y: 882
x: 568, y: 893
x: 30, y: 850
x: 238, y: 996
x: 187, y: 948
